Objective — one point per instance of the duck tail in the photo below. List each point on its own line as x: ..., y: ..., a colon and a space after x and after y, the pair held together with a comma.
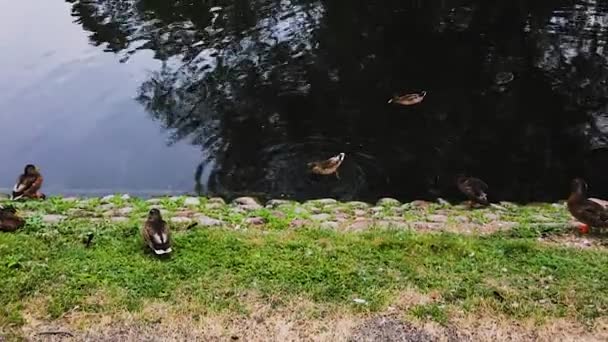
x: 390, y: 101
x: 423, y: 93
x: 341, y: 156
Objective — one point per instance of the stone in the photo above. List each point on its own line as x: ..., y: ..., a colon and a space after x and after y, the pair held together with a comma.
x: 462, y: 219
x: 392, y: 224
x: 107, y: 199
x: 274, y: 203
x: 443, y: 202
x: 419, y: 204
x: 192, y: 201
x: 256, y: 221
x: 70, y: 199
x: 357, y: 205
x: 376, y: 209
x: 301, y: 211
x: 75, y: 212
x: 53, y: 218
x: 180, y: 219
x: 106, y: 207
x: 156, y: 206
x: 388, y: 202
x: 540, y: 218
x: 154, y: 201
x: 118, y: 219
x: 320, y: 217
x: 321, y: 201
x: 360, y: 225
x: 125, y: 197
x: 359, y: 212
x: 124, y: 211
x: 205, y: 221
x: 298, y: 223
x: 214, y: 206
x: 185, y: 213
x: 278, y: 214
x: 247, y: 203
x: 330, y: 225
x: 491, y: 217
x: 437, y: 218
x: 216, y: 200
x: 174, y: 198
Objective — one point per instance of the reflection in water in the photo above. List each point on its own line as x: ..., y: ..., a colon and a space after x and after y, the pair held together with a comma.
x: 516, y: 92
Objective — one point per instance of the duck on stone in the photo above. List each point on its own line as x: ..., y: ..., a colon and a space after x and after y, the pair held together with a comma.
x: 327, y: 167
x: 408, y: 99
x: 28, y: 184
x: 474, y: 188
x: 589, y: 211
x: 9, y: 220
x: 156, y: 234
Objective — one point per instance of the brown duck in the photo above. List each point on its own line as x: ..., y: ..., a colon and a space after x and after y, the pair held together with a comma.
x: 156, y: 233
x: 327, y: 167
x: 9, y: 220
x: 408, y: 99
x: 28, y: 184
x: 590, y: 212
x: 474, y: 188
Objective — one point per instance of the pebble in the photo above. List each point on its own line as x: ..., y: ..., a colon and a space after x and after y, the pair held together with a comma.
x: 388, y: 202
x: 360, y: 301
x: 180, y: 219
x: 53, y: 218
x: 192, y: 201
x: 320, y: 217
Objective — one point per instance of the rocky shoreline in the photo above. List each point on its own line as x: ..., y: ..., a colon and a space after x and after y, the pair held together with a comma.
x: 244, y: 212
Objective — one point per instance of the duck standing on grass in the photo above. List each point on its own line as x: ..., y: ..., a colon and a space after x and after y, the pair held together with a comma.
x: 327, y: 167
x: 156, y: 233
x: 9, y: 220
x: 474, y: 188
x: 408, y: 99
x: 590, y: 212
x: 28, y: 184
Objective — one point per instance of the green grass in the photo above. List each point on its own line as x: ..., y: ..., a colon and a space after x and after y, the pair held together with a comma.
x: 514, y: 276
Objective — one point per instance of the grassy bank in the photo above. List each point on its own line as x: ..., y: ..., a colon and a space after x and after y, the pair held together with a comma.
x: 259, y: 253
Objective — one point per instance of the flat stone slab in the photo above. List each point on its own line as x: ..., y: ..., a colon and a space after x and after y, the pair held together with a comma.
x: 53, y: 218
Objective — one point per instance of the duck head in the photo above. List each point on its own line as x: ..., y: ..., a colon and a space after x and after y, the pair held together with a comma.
x: 30, y: 170
x: 154, y: 215
x: 579, y: 187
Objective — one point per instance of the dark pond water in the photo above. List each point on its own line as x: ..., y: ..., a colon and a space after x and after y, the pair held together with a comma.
x: 235, y: 97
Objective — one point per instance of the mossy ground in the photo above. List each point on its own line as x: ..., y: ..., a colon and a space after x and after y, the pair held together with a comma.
x: 505, y: 272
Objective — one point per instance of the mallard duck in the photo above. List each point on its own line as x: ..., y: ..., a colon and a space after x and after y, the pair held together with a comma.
x: 590, y: 212
x: 327, y: 167
x: 156, y: 233
x: 9, y: 220
x: 408, y: 99
x: 29, y: 184
x: 474, y: 188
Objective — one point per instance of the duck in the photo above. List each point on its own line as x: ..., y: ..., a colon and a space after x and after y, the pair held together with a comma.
x: 28, y: 184
x: 9, y: 220
x: 590, y: 212
x: 474, y: 188
x: 327, y: 167
x: 156, y: 233
x: 408, y: 99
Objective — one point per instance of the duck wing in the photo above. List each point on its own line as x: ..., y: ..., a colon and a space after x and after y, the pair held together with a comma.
x: 592, y: 213
x: 157, y: 236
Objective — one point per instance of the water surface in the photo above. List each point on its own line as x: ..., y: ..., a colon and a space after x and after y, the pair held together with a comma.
x: 139, y: 95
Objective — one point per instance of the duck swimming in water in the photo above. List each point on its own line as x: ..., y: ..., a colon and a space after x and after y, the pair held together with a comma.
x: 408, y: 99
x: 474, y: 188
x: 28, y: 184
x: 327, y: 167
x: 590, y: 212
x: 156, y: 233
x: 9, y: 220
